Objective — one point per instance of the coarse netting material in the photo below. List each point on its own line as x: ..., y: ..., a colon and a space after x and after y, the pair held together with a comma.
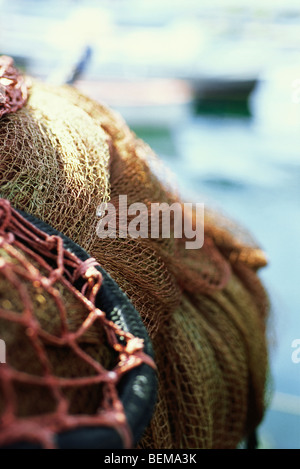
x: 64, y: 356
x: 205, y: 309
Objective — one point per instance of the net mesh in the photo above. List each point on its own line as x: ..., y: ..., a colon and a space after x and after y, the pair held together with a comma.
x: 204, y: 309
x: 64, y: 357
x: 13, y: 88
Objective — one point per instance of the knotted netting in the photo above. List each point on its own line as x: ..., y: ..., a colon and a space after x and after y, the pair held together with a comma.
x: 65, y: 357
x: 13, y: 87
x: 62, y: 155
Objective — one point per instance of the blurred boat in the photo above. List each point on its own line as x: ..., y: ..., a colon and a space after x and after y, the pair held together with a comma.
x: 223, y: 88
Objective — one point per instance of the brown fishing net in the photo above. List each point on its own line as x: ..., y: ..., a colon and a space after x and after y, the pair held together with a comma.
x: 205, y: 309
x: 64, y: 356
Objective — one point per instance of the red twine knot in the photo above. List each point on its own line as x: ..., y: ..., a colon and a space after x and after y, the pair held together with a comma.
x: 13, y: 87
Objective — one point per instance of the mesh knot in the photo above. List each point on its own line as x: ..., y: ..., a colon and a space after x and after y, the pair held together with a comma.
x: 13, y: 88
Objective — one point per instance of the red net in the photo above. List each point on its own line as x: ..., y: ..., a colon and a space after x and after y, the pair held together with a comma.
x: 36, y: 270
x: 13, y: 88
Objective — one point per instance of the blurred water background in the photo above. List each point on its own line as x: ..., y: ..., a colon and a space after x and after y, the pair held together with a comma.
x: 214, y: 88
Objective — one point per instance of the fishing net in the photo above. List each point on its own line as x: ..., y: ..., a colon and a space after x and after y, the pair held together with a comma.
x: 13, y: 87
x: 62, y: 155
x: 65, y: 356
